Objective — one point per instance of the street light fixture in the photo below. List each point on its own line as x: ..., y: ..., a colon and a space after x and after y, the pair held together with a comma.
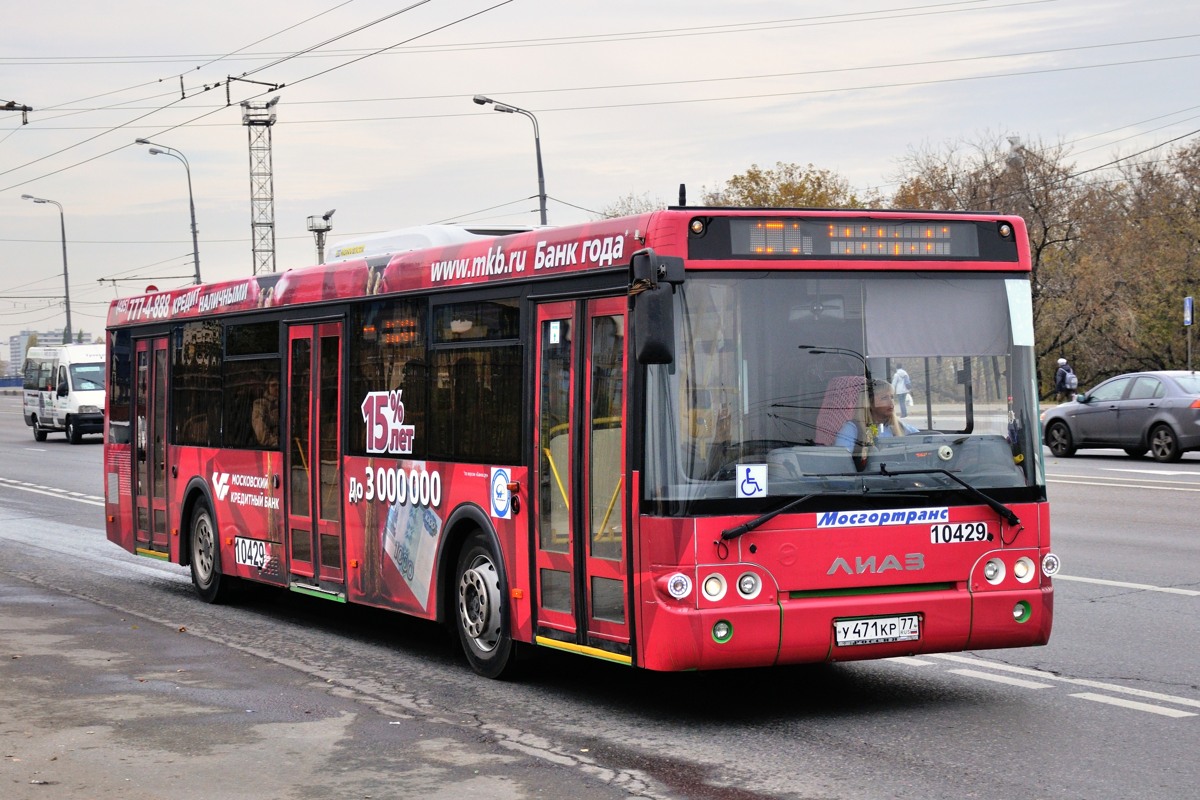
x: 537, y: 143
x: 62, y: 221
x: 320, y: 226
x: 160, y: 149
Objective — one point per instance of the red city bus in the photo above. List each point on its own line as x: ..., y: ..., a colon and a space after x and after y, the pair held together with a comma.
x: 666, y: 441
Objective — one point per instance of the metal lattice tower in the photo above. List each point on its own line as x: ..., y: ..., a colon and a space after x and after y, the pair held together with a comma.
x: 258, y: 120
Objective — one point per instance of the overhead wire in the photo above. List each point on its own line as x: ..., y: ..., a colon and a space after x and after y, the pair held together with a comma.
x: 209, y: 113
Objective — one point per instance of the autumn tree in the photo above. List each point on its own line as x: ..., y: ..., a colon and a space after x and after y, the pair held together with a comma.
x: 1032, y: 181
x: 1154, y: 235
x: 786, y: 186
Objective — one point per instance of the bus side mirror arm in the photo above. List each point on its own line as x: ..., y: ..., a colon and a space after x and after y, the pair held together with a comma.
x: 651, y: 294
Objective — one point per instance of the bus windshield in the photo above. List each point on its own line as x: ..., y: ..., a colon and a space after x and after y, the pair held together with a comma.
x: 781, y: 383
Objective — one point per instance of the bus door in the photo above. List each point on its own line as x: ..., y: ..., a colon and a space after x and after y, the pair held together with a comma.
x: 314, y: 537
x: 150, y: 448
x: 582, y: 561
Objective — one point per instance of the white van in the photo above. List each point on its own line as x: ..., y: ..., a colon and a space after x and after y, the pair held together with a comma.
x: 64, y: 390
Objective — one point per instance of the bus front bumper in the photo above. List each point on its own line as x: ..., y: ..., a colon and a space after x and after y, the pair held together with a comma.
x: 803, y: 630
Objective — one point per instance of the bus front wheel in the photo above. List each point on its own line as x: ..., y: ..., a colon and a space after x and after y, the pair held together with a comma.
x: 478, y: 609
x: 210, y: 584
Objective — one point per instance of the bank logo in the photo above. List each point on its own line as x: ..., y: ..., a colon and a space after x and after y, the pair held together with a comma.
x: 220, y: 482
x: 501, y: 499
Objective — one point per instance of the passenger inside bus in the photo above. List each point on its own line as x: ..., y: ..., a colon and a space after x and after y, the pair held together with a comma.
x: 264, y: 415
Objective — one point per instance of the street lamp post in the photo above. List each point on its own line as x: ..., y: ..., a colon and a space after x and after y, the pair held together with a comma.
x: 537, y: 144
x: 62, y: 222
x: 158, y: 149
x: 320, y: 226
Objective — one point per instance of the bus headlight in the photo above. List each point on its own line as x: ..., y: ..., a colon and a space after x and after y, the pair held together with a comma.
x: 993, y: 571
x: 1023, y: 570
x: 679, y: 585
x: 1050, y: 565
x: 89, y: 409
x: 722, y: 631
x: 714, y: 586
x: 749, y: 585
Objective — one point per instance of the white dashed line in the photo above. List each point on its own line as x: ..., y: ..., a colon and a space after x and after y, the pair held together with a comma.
x: 1123, y: 585
x: 988, y: 676
x: 1133, y: 704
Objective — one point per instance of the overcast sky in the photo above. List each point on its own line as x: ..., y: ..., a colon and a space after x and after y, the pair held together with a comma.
x: 632, y: 97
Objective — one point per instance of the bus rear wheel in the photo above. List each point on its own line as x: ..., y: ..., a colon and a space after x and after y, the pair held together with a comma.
x: 210, y: 584
x: 39, y: 433
x: 478, y: 610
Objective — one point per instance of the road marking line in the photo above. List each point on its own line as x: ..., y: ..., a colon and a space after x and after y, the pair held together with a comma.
x: 1124, y: 485
x: 1151, y: 471
x: 50, y: 491
x: 1133, y: 704
x: 912, y: 662
x: 1123, y: 585
x: 987, y: 676
x: 1049, y: 676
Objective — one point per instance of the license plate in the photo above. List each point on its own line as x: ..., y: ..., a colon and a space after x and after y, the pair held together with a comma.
x: 876, y: 630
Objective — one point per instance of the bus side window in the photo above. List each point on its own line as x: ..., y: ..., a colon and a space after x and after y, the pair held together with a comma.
x: 63, y: 389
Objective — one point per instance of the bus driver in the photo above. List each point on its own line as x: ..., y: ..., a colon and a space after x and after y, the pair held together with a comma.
x: 873, y: 420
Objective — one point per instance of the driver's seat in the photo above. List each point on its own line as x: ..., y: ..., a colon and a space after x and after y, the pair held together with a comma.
x: 842, y: 398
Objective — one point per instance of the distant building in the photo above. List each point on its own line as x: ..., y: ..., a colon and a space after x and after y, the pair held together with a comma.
x: 17, y: 345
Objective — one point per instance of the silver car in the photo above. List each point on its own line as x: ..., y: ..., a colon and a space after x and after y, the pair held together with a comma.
x: 1139, y: 411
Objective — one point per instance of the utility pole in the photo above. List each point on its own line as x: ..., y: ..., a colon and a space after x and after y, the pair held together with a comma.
x: 258, y: 119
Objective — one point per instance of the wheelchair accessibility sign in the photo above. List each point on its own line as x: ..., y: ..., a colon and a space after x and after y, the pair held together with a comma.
x: 751, y: 480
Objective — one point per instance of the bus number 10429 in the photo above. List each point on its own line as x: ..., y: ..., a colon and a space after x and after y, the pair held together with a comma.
x: 953, y: 533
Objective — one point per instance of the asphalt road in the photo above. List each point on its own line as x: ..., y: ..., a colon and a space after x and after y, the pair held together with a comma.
x: 117, y: 682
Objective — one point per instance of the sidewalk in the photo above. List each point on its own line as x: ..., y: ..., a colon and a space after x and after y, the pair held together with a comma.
x: 98, y: 705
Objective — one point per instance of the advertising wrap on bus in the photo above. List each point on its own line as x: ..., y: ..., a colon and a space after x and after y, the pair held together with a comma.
x: 699, y: 438
x: 64, y: 390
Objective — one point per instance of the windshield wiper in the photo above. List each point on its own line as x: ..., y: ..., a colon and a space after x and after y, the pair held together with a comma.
x: 995, y: 505
x: 746, y: 527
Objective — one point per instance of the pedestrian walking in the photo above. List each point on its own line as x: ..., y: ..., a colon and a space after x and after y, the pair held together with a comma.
x: 1065, y: 382
x: 902, y: 389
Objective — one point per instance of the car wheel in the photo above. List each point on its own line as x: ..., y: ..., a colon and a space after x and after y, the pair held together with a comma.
x: 39, y: 434
x: 1058, y: 439
x: 1164, y: 445
x: 73, y: 435
x: 478, y: 611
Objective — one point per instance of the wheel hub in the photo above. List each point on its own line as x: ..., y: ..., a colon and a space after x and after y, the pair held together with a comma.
x: 478, y: 602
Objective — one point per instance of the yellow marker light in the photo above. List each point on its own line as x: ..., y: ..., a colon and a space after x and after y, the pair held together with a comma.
x: 714, y: 586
